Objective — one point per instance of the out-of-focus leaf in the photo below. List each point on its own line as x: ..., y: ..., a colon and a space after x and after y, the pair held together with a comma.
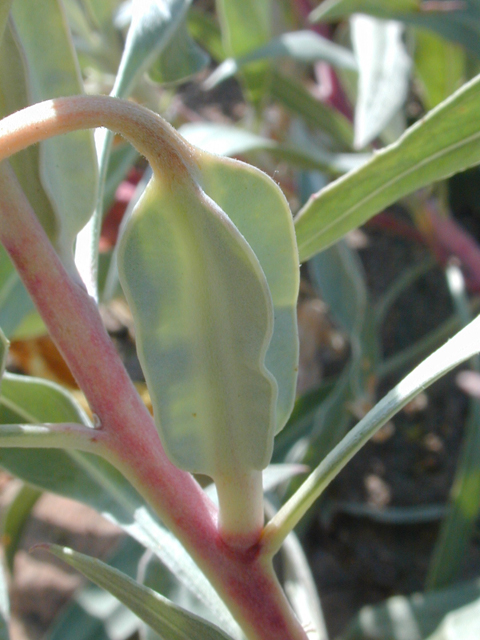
x: 383, y: 74
x: 4, y: 11
x: 4, y: 606
x: 15, y: 519
x: 3, y: 354
x: 456, y: 21
x: 462, y: 624
x: 293, y: 95
x: 446, y: 141
x: 181, y: 59
x: 67, y: 163
x: 94, y: 614
x: 332, y: 10
x: 440, y: 66
x: 93, y: 481
x: 302, y: 46
x: 168, y: 620
x: 233, y: 141
x: 411, y: 617
x: 246, y: 25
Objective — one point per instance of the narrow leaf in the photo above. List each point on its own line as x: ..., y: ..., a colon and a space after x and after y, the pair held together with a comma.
x: 302, y: 46
x: 15, y: 519
x: 3, y: 354
x: 384, y: 70
x: 168, y: 620
x: 461, y: 347
x: 332, y: 10
x: 67, y: 163
x: 446, y: 141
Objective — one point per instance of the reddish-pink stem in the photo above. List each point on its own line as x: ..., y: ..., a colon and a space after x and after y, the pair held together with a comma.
x: 244, y: 578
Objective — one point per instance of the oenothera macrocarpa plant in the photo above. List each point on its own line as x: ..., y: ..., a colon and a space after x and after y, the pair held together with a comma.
x: 209, y: 265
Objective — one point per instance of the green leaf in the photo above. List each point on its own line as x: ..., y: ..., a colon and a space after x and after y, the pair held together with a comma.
x: 302, y: 46
x: 440, y: 66
x: 168, y: 620
x: 383, y: 75
x: 461, y: 347
x: 4, y: 11
x: 181, y: 59
x: 204, y: 318
x: 332, y: 10
x: 246, y: 26
x: 15, y: 519
x: 293, y: 95
x: 234, y: 141
x: 94, y: 614
x: 410, y: 617
x: 67, y: 163
x: 3, y: 354
x: 93, y: 481
x: 446, y: 141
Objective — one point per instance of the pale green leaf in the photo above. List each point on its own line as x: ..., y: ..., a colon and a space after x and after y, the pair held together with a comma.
x: 67, y: 163
x: 4, y: 11
x: 152, y: 27
x: 446, y: 141
x: 3, y: 354
x: 383, y: 75
x: 410, y: 617
x: 93, y: 481
x: 302, y: 46
x: 168, y: 620
x: 259, y: 210
x: 204, y: 318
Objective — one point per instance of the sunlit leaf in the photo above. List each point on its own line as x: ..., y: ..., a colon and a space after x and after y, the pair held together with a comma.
x: 383, y: 74
x: 446, y: 141
x: 167, y: 619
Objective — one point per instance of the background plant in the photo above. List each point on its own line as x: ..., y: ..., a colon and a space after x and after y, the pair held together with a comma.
x: 315, y: 141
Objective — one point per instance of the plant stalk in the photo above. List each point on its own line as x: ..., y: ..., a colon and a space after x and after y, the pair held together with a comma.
x: 243, y: 577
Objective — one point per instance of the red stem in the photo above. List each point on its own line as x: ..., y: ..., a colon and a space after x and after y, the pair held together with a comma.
x: 244, y: 579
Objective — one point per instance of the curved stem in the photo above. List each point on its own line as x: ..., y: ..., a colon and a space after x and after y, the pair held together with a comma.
x: 244, y: 578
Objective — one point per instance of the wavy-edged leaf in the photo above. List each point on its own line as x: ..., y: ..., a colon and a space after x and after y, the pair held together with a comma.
x: 259, y: 210
x: 204, y: 319
x: 93, y: 481
x: 67, y: 163
x: 302, y: 46
x: 168, y: 620
x: 410, y: 617
x: 446, y: 141
x: 383, y: 74
x: 232, y: 141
